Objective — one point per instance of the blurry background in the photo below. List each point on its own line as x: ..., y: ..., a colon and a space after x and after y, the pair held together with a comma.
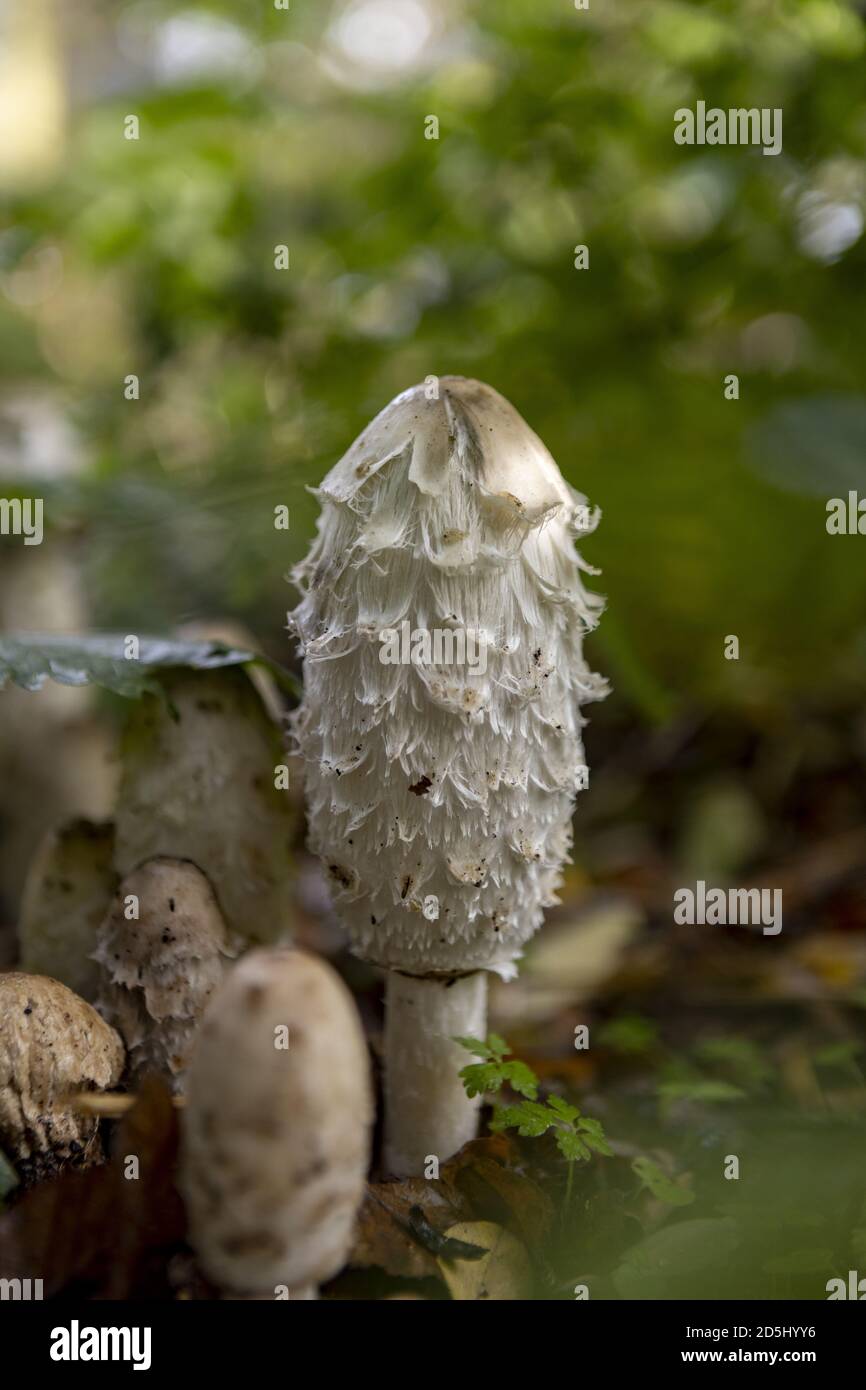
x: 305, y: 128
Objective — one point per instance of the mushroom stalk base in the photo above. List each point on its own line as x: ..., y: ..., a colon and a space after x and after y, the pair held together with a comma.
x: 428, y: 1114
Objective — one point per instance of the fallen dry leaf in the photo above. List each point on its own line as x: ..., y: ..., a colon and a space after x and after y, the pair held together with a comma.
x: 99, y: 1231
x: 488, y: 1173
x: 402, y: 1224
x: 387, y: 1235
x: 504, y: 1273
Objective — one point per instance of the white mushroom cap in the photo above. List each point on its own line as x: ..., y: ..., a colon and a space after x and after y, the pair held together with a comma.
x: 458, y: 428
x: 276, y: 1140
x: 197, y: 783
x: 52, y: 1044
x: 69, y: 886
x: 440, y: 795
x: 161, y: 966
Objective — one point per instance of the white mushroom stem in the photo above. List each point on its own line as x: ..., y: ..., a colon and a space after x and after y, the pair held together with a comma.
x: 428, y: 1113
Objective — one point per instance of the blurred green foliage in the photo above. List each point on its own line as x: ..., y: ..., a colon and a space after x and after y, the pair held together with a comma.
x: 411, y: 256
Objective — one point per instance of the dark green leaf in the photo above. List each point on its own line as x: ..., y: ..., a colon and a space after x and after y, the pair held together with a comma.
x: 571, y: 1146
x: 29, y: 659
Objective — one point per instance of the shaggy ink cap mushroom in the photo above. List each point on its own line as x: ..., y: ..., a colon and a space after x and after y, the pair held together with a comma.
x: 440, y: 792
x: 197, y: 782
x: 276, y: 1127
x: 69, y: 886
x: 163, y: 950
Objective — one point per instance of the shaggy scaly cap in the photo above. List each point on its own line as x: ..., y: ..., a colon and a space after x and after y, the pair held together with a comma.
x: 160, y: 968
x: 440, y: 797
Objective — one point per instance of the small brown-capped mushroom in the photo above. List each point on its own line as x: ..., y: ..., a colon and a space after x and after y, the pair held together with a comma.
x: 52, y: 1045
x: 163, y: 951
x: 276, y: 1129
x: 70, y: 884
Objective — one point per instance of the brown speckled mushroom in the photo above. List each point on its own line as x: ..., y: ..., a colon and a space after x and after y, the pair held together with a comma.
x: 52, y: 1045
x: 276, y: 1129
x: 161, y: 965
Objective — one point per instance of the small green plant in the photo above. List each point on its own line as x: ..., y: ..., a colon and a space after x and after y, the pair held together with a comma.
x: 493, y: 1072
x: 576, y: 1135
x: 660, y: 1185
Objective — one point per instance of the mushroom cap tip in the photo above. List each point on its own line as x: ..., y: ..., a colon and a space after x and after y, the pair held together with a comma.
x: 457, y: 422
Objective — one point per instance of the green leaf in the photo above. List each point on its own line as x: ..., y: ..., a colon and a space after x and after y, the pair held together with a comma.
x: 521, y: 1079
x: 590, y: 1126
x: 29, y: 659
x: 599, y: 1146
x: 565, y: 1111
x: 482, y: 1078
x: 575, y: 1136
x: 529, y: 1118
x: 597, y: 1142
x: 487, y: 1077
x: 493, y: 1050
x: 571, y: 1146
x: 660, y: 1185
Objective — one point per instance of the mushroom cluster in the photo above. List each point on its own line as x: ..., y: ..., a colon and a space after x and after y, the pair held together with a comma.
x: 198, y: 761
x: 442, y: 622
